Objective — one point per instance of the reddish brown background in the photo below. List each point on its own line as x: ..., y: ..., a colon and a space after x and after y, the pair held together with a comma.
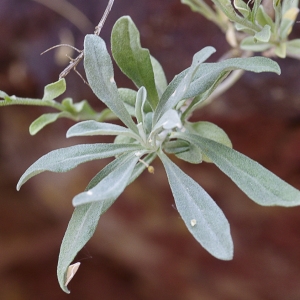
x: 141, y: 249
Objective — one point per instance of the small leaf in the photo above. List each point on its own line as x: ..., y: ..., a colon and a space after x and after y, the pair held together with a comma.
x: 139, y: 104
x: 209, y: 131
x: 3, y: 95
x: 258, y: 183
x: 242, y: 7
x: 43, y: 121
x: 177, y: 91
x: 287, y: 22
x: 263, y: 35
x: 293, y: 48
x: 65, y: 159
x: 263, y: 18
x: 251, y: 44
x: 99, y: 72
x: 176, y: 146
x: 203, y: 218
x: 91, y: 127
x: 53, y: 90
x: 110, y: 187
x: 132, y: 59
x: 159, y: 76
x: 192, y: 156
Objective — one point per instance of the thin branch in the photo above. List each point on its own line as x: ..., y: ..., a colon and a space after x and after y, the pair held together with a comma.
x: 104, y: 17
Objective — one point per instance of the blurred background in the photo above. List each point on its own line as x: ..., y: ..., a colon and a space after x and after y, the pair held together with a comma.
x: 141, y: 249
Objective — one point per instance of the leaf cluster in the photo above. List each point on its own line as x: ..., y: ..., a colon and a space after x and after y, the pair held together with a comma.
x: 252, y: 26
x: 155, y: 124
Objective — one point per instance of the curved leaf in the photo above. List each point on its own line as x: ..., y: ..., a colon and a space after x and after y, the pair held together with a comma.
x: 132, y: 59
x: 92, y: 127
x: 65, y: 159
x: 110, y: 187
x: 258, y: 183
x: 174, y: 93
x: 55, y: 89
x: 85, y: 219
x: 43, y: 121
x: 100, y: 75
x: 203, y: 218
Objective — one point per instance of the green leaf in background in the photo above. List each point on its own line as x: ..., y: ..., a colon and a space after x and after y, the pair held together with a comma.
x: 55, y: 89
x: 85, y: 219
x: 293, y: 48
x: 159, y: 76
x: 132, y: 59
x: 139, y: 104
x: 100, y: 75
x: 242, y: 7
x: 209, y: 131
x: 251, y: 44
x: 111, y: 186
x: 65, y: 159
x: 90, y: 127
x: 263, y: 18
x: 208, y: 73
x: 203, y: 218
x: 258, y: 183
x: 175, y: 92
x: 288, y: 20
x: 42, y: 121
x: 263, y: 35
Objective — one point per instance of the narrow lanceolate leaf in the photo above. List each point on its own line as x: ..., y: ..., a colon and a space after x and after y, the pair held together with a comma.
x: 258, y: 183
x: 209, y: 72
x: 85, y: 219
x: 55, y: 89
x: 43, y: 121
x: 100, y: 75
x: 176, y: 92
x: 92, y: 127
x: 65, y: 159
x: 132, y: 59
x: 203, y: 218
x: 159, y: 76
x: 110, y: 187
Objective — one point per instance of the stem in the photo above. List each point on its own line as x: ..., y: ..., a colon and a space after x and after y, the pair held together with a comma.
x: 104, y: 17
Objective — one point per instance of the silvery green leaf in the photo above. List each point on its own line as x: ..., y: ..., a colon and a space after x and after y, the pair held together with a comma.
x: 128, y: 97
x: 242, y: 7
x: 44, y: 120
x: 208, y: 73
x: 176, y: 146
x: 169, y: 120
x: 176, y: 92
x: 141, y: 98
x: 99, y: 71
x: 280, y: 50
x: 55, y: 89
x: 197, y: 101
x: 287, y: 22
x: 65, y: 159
x: 192, y: 156
x: 82, y: 225
x: 110, y: 187
x: 3, y: 95
x: 251, y: 44
x: 258, y: 183
x: 91, y: 127
x: 263, y: 35
x: 293, y: 48
x: 263, y: 18
x: 159, y: 76
x: 209, y: 131
x: 203, y: 218
x: 132, y: 59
